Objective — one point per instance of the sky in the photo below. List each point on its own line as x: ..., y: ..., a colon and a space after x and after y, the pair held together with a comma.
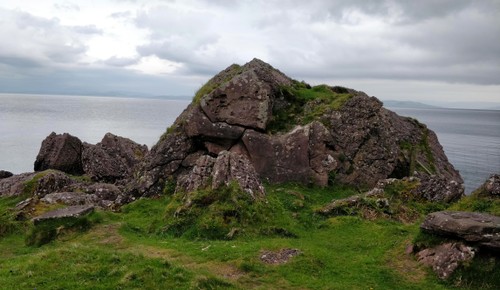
x: 428, y: 51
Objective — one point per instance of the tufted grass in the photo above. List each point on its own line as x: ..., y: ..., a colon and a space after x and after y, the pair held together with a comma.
x: 132, y: 250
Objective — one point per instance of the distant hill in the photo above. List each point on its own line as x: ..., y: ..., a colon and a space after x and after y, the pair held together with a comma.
x: 408, y: 104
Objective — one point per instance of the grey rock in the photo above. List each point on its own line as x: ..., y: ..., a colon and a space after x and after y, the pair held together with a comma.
x: 214, y: 173
x: 60, y: 152
x: 5, y: 174
x: 490, y: 188
x: 70, y: 198
x: 246, y: 99
x: 67, y: 212
x: 479, y: 228
x: 112, y: 159
x: 445, y: 259
x: 301, y: 155
x: 14, y: 185
x: 199, y: 176
x: 231, y: 167
x: 52, y: 181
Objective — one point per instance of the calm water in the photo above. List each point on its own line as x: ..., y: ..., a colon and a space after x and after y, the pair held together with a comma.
x: 471, y: 138
x: 26, y: 120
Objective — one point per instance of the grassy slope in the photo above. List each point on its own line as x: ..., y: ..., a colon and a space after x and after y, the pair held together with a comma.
x: 125, y: 251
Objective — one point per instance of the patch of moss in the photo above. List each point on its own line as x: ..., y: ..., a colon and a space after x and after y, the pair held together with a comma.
x: 8, y: 217
x: 216, y: 82
x: 45, y: 231
x: 478, y: 203
x: 306, y: 104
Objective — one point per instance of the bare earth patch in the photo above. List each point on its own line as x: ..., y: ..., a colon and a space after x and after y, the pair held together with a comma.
x: 278, y: 257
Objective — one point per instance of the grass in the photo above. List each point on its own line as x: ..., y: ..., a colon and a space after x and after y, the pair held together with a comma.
x: 133, y: 250
x: 306, y: 104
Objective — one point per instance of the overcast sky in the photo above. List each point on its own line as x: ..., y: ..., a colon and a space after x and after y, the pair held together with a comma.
x: 408, y: 50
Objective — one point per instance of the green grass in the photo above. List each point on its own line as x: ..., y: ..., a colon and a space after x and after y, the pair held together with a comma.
x: 133, y: 250
x: 307, y: 104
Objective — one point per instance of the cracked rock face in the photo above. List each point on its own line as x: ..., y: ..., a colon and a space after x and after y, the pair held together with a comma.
x: 61, y: 152
x: 358, y: 143
x: 445, y: 259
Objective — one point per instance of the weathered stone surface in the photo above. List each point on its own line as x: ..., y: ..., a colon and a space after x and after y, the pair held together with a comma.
x: 438, y: 188
x: 5, y: 174
x: 374, y: 143
x: 492, y: 185
x: 349, y: 204
x: 321, y: 153
x: 67, y: 212
x: 480, y: 228
x: 199, y: 176
x: 426, y: 187
x: 247, y: 98
x: 213, y: 173
x: 69, y: 198
x: 14, y: 185
x: 60, y: 152
x: 445, y: 259
x: 278, y: 257
x: 113, y: 158
x: 280, y: 158
x: 302, y: 155
x: 52, y: 181
x: 162, y: 161
x: 198, y: 124
x: 231, y: 167
x: 490, y: 188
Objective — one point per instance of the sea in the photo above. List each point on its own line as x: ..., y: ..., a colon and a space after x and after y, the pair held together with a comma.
x: 470, y: 138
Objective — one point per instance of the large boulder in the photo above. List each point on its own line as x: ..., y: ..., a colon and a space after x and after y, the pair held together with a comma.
x: 5, y: 174
x: 292, y: 132
x: 112, y: 159
x: 473, y: 227
x: 61, y: 152
x: 246, y: 98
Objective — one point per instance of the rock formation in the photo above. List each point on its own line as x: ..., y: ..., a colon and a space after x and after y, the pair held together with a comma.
x: 249, y: 124
x: 5, y: 174
x: 473, y: 227
x: 60, y: 152
x: 291, y: 132
x: 446, y: 258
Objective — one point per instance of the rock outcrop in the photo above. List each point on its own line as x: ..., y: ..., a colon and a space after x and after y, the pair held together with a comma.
x: 446, y: 258
x: 490, y: 188
x: 5, y: 174
x: 67, y: 212
x: 292, y: 132
x: 473, y: 227
x: 60, y: 152
x: 111, y: 159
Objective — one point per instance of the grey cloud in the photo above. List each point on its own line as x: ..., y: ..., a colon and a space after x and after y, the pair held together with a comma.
x: 86, y: 29
x: 19, y: 62
x: 121, y: 61
x: 93, y: 81
x: 123, y: 14
x: 67, y: 6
